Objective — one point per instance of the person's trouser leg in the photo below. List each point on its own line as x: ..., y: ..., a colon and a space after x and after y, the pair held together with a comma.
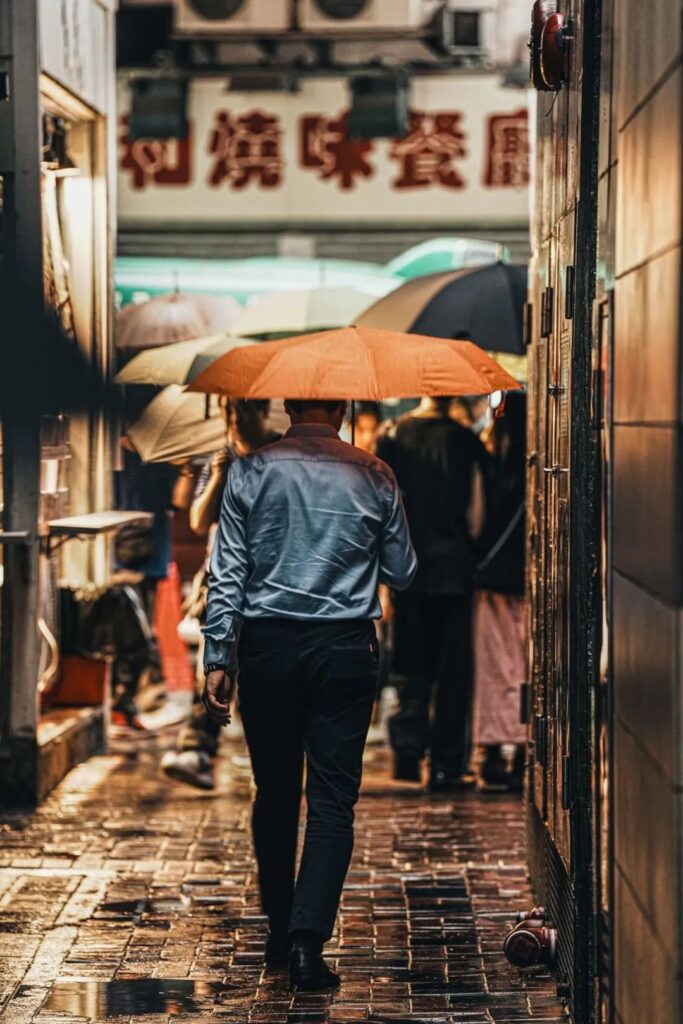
x: 270, y: 715
x: 201, y: 731
x: 409, y: 726
x: 451, y: 626
x: 148, y: 595
x: 341, y: 680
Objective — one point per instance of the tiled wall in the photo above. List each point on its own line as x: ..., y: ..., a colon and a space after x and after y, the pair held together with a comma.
x: 639, y: 256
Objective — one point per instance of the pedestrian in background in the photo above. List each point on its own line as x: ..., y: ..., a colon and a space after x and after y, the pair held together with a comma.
x: 246, y: 430
x: 438, y: 464
x: 368, y: 419
x: 500, y: 617
x: 308, y: 528
x: 142, y: 555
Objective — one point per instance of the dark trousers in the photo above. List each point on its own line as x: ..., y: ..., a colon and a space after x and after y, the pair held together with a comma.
x: 433, y: 667
x: 135, y: 643
x: 306, y: 693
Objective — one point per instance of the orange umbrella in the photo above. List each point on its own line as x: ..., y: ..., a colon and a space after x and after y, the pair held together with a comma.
x: 355, y: 362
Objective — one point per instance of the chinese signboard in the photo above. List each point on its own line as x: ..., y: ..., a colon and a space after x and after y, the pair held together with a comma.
x: 280, y: 158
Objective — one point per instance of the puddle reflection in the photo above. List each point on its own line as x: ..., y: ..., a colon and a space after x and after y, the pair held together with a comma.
x: 131, y: 998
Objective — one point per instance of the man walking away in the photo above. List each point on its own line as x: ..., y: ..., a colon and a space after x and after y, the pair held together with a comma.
x: 309, y: 527
x: 437, y: 463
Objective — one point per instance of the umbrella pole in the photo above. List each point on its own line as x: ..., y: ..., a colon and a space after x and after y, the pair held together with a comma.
x: 353, y: 421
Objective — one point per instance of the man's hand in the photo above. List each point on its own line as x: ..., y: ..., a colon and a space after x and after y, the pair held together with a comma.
x: 387, y: 602
x: 218, y: 691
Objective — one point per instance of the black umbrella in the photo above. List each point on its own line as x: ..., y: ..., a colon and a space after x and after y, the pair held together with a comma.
x: 482, y: 304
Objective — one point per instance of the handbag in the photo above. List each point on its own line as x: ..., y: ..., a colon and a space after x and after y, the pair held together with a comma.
x: 480, y: 569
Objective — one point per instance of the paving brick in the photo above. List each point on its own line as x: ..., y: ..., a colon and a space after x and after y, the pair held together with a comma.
x: 127, y: 898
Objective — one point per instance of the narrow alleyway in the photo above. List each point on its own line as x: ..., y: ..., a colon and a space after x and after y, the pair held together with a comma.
x: 128, y: 897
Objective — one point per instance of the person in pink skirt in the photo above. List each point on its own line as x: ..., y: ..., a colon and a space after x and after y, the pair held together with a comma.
x: 500, y: 618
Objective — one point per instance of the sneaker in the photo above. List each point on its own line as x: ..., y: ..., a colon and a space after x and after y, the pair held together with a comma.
x: 193, y: 767
x: 124, y: 722
x: 151, y: 697
x: 125, y: 717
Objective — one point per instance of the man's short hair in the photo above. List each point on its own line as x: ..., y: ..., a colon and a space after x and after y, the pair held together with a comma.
x: 300, y: 405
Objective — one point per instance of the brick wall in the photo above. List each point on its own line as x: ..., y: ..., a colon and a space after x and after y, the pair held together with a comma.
x: 639, y: 257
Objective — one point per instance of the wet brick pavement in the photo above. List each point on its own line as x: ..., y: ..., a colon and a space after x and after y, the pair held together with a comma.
x: 127, y: 897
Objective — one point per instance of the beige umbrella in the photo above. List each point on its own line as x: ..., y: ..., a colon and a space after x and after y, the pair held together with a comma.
x: 167, y: 319
x: 179, y: 363
x: 284, y: 313
x: 174, y: 427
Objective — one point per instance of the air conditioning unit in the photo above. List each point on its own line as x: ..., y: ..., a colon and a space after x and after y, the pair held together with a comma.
x: 468, y: 28
x: 201, y: 18
x: 358, y: 17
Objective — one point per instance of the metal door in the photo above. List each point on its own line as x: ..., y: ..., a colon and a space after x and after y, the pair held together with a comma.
x: 603, y: 830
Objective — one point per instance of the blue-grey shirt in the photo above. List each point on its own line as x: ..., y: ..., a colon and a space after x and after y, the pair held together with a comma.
x: 309, y: 526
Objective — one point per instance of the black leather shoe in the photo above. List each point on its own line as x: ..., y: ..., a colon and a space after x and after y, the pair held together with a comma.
x: 406, y: 769
x: 278, y: 948
x: 308, y: 971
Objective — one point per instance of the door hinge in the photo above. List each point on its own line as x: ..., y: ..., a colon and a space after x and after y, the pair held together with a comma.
x: 566, y: 782
x: 602, y: 701
x: 569, y: 292
x: 528, y: 324
x: 547, y: 308
x: 597, y: 390
x: 541, y: 738
x: 602, y: 944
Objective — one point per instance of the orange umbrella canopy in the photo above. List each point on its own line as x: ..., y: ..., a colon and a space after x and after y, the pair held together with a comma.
x: 355, y: 363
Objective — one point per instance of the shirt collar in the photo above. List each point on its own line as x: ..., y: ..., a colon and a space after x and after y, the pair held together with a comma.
x: 312, y: 430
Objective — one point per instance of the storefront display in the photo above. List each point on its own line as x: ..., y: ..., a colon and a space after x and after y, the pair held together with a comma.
x: 56, y: 465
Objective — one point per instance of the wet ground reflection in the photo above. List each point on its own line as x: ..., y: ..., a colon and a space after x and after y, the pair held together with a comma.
x: 111, y: 914
x: 132, y: 998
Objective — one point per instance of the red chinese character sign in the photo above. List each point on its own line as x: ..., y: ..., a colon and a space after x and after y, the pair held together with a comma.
x: 326, y: 148
x: 156, y: 162
x: 246, y: 148
x: 432, y: 152
x: 286, y: 158
x: 507, y: 156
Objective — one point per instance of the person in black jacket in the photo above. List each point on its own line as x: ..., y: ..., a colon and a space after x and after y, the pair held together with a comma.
x: 438, y: 464
x: 500, y: 617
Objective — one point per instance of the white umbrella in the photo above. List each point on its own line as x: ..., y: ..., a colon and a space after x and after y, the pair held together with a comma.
x: 167, y: 319
x: 300, y: 310
x: 179, y: 363
x: 174, y: 427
